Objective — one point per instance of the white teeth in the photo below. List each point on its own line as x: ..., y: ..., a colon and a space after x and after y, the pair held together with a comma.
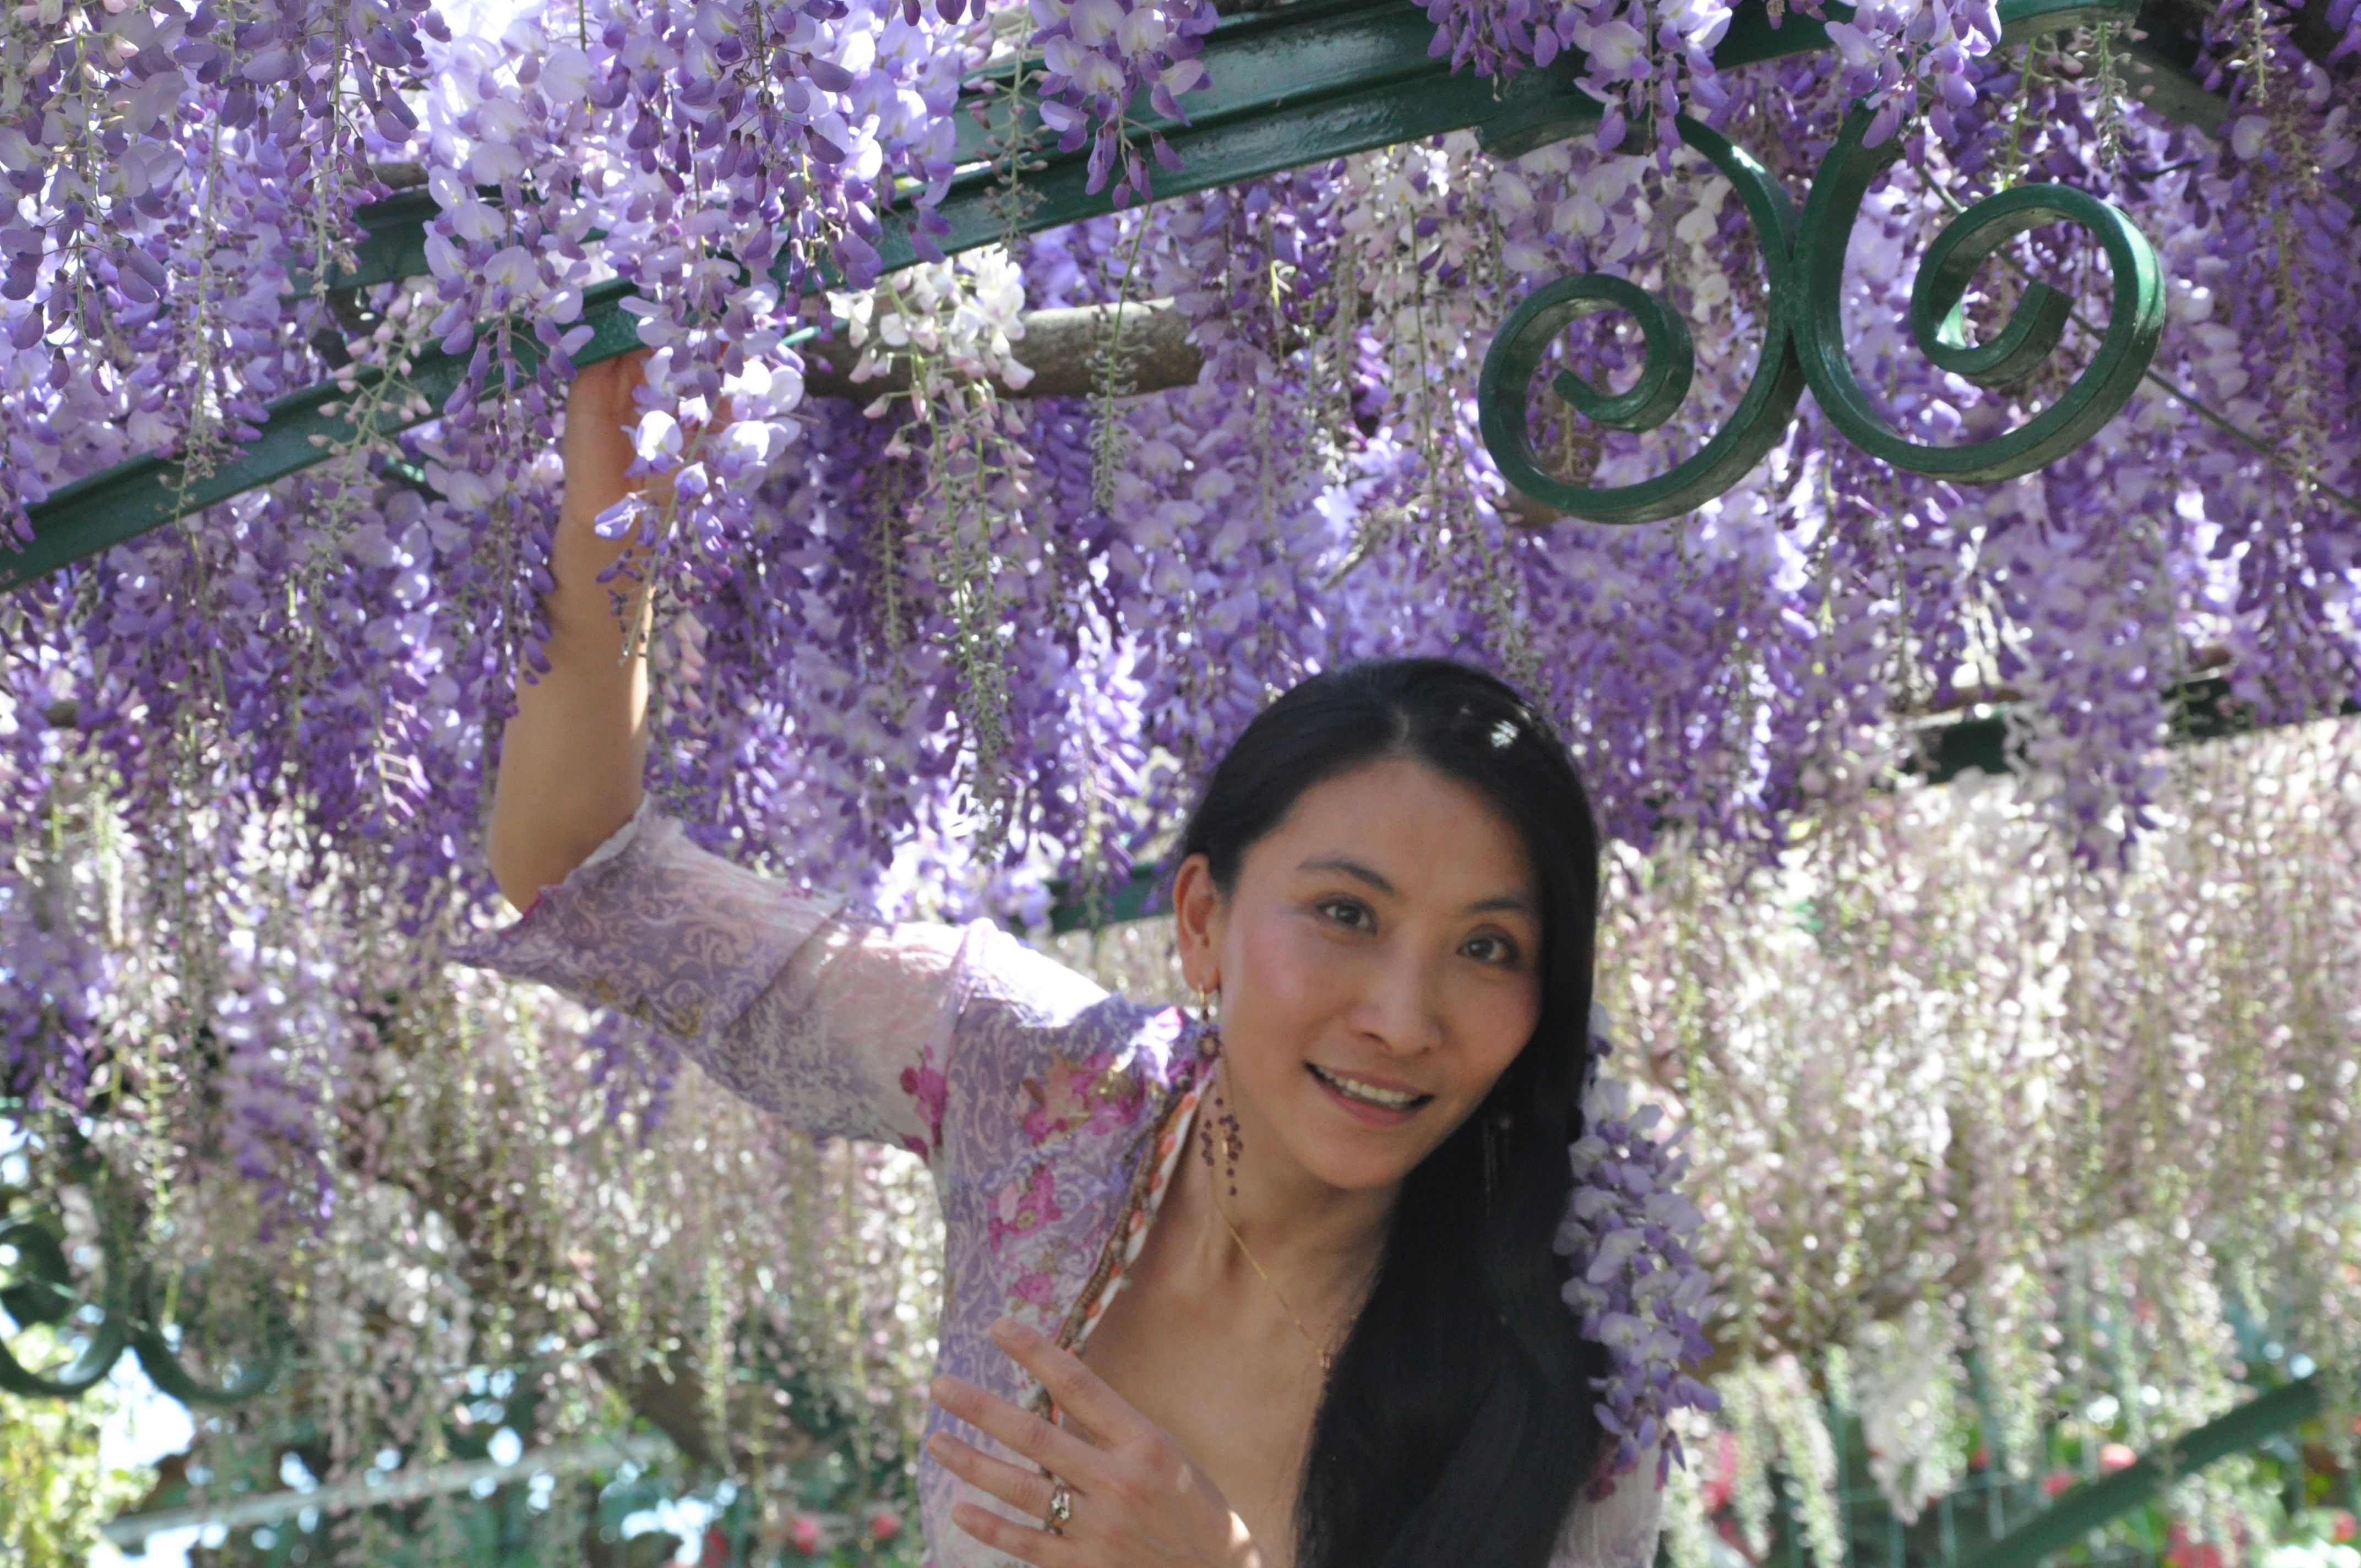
x: 1353, y: 1088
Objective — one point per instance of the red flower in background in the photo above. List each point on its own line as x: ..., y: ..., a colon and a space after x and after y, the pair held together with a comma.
x: 2187, y: 1552
x: 1721, y: 1476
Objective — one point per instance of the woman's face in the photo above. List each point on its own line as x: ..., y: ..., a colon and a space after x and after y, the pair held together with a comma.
x: 1378, y: 964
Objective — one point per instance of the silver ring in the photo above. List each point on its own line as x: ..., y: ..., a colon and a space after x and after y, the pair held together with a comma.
x: 1061, y: 1511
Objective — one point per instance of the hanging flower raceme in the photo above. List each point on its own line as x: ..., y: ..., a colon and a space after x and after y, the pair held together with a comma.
x: 1645, y: 63
x: 1637, y: 1287
x: 2282, y: 203
x: 1098, y: 57
x: 1898, y: 58
x: 725, y: 158
x: 1648, y: 61
x: 166, y: 168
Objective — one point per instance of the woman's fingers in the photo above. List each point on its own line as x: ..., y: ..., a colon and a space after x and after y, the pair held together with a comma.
x: 1025, y: 1544
x: 605, y: 388
x: 1138, y: 1499
x: 597, y: 450
x: 1079, y: 1392
x: 1028, y: 1491
x: 1045, y: 1444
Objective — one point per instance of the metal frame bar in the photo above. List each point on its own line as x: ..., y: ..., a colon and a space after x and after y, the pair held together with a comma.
x: 1299, y: 84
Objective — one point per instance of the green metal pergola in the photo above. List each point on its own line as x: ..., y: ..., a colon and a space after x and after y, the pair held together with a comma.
x: 1318, y: 80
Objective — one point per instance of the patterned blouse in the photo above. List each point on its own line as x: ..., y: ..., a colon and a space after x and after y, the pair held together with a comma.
x: 1051, y: 1114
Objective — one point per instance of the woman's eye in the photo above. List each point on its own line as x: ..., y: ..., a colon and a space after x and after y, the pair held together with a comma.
x: 1345, y: 912
x: 1491, y: 949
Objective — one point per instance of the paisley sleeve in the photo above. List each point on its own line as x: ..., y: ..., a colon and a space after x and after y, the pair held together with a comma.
x: 837, y: 1023
x: 1617, y: 1530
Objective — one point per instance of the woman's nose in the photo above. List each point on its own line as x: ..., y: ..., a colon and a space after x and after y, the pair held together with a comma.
x: 1400, y: 1010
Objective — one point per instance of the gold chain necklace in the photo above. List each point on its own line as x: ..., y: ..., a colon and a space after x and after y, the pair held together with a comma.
x: 1327, y: 1357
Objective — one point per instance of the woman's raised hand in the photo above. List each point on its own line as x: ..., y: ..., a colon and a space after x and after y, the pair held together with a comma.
x: 599, y: 414
x: 1135, y: 1500
x: 570, y: 758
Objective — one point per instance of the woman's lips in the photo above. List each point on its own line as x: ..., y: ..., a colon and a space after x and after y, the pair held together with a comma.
x: 1366, y: 1112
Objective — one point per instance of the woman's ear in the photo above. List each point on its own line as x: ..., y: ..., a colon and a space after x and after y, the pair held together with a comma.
x: 1197, y: 913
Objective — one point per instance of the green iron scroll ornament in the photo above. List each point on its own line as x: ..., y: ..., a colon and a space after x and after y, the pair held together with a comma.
x: 2134, y: 317
x: 41, y: 1292
x: 1804, y: 340
x: 1762, y: 412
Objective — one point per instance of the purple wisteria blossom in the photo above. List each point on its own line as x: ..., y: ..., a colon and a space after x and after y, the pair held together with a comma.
x: 1640, y: 1290
x: 1098, y: 57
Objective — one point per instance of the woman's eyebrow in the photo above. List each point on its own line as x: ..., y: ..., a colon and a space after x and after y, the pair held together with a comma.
x: 1516, y: 903
x: 1351, y: 868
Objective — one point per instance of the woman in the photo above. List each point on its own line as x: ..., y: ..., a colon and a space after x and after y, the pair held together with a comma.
x: 1271, y: 1286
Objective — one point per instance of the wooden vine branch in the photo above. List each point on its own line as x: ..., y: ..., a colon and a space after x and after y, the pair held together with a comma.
x: 1061, y: 348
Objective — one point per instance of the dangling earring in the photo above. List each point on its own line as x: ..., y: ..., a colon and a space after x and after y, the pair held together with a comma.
x: 1209, y: 1049
x: 1495, y: 1129
x: 1233, y: 1143
x: 1209, y: 1046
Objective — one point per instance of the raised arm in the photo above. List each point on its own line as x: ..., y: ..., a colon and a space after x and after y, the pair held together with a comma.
x: 837, y: 1023
x: 571, y: 758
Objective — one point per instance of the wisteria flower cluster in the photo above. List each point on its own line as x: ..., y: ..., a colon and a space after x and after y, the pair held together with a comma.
x: 1649, y: 62
x: 727, y: 161
x: 165, y: 167
x: 1645, y: 63
x: 1098, y: 57
x: 1901, y: 58
x: 1636, y: 1284
x: 1929, y: 1141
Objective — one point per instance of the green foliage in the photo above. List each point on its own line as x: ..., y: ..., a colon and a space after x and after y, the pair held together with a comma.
x: 54, y: 1490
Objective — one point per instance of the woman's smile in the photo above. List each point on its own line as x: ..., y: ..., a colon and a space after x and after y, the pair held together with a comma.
x: 1376, y: 1102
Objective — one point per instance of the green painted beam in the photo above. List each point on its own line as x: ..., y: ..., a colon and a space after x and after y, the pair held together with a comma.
x: 1257, y: 63
x: 1303, y: 83
x: 130, y: 499
x: 1137, y: 897
x: 2096, y: 1504
x: 1389, y: 106
x: 395, y: 247
x: 2201, y: 710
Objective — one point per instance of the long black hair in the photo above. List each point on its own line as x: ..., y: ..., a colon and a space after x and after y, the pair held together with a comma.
x: 1457, y: 1424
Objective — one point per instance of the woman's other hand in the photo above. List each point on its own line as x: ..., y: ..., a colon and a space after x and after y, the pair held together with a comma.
x: 1135, y: 1500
